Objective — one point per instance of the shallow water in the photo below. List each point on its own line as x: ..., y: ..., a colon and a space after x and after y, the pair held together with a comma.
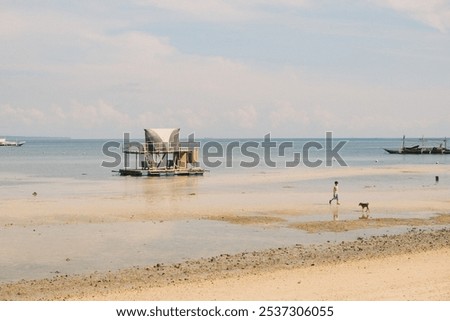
x: 335, y: 215
x: 46, y: 251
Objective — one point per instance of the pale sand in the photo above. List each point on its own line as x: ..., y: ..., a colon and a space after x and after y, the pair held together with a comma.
x: 411, y: 266
x: 423, y: 276
x: 284, y: 192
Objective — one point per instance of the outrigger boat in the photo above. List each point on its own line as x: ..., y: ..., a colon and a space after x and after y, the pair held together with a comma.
x: 4, y: 142
x: 420, y: 149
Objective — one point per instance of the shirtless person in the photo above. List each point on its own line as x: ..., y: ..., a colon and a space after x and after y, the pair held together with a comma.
x: 335, y: 193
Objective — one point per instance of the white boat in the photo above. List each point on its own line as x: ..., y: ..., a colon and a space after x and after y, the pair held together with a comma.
x: 4, y: 142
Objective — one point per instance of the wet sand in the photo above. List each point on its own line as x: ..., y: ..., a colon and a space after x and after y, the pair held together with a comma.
x: 271, y: 200
x: 364, y: 223
x: 389, y: 190
x: 422, y: 254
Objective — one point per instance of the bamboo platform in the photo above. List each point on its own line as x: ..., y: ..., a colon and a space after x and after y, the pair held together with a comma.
x: 161, y: 172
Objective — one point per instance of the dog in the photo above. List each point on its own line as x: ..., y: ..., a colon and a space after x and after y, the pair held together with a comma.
x: 365, y: 206
x: 365, y: 210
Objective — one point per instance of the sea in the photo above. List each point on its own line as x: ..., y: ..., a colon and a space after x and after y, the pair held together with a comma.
x: 238, y: 170
x: 96, y: 158
x: 44, y: 159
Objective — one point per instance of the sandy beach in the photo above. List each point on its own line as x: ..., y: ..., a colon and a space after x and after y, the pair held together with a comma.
x: 411, y: 266
x: 399, y: 253
x: 272, y: 193
x: 389, y: 278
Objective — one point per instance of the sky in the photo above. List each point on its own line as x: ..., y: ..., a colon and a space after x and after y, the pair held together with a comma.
x: 217, y: 68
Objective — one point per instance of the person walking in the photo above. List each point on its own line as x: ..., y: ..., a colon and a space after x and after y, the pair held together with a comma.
x: 335, y: 193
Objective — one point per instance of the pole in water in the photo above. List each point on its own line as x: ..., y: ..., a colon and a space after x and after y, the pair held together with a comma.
x: 437, y: 179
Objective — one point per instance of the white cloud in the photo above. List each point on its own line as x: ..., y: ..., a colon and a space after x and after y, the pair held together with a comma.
x: 99, y: 114
x: 97, y: 78
x: 434, y: 13
x: 245, y: 117
x: 224, y: 10
x: 79, y: 117
x: 285, y: 114
x: 206, y: 9
x: 25, y: 116
x: 11, y: 24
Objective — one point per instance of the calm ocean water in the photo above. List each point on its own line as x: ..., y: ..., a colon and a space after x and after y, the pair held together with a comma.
x: 82, y: 158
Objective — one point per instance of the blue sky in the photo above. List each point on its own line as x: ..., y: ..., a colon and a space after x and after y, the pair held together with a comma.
x: 96, y: 69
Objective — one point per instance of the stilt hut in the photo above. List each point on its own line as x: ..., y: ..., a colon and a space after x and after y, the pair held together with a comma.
x: 162, y: 154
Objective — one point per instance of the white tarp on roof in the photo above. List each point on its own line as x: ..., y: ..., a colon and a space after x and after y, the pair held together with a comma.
x: 162, y: 135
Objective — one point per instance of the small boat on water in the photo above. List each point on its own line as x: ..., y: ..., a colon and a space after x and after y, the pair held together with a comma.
x: 4, y: 142
x: 420, y: 149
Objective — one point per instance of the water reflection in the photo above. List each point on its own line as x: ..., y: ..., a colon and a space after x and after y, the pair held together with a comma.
x: 334, y: 212
x: 84, y: 248
x: 169, y: 188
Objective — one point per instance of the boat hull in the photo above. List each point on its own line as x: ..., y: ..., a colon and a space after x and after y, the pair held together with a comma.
x: 11, y: 144
x: 418, y: 151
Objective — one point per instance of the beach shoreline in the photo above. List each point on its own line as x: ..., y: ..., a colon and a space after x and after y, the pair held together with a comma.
x: 391, y: 190
x: 75, y: 230
x: 252, y: 268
